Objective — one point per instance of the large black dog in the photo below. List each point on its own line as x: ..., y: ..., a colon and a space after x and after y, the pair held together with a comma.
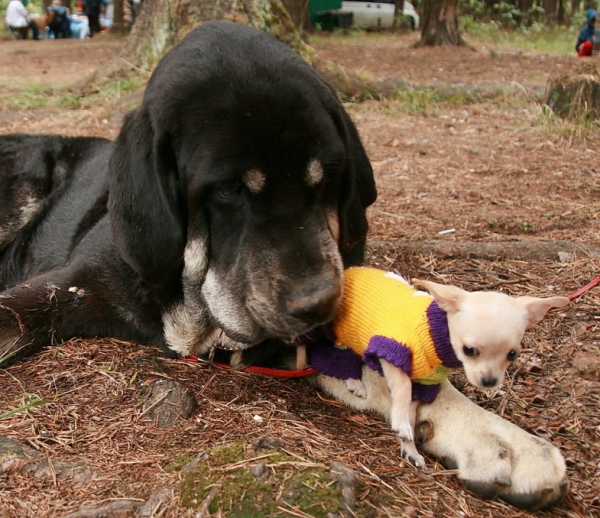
x: 223, y: 215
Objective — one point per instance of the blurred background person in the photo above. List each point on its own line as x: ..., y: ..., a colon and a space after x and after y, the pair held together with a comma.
x: 91, y: 9
x: 18, y: 19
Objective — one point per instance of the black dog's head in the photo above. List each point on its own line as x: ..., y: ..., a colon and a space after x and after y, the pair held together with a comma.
x: 239, y: 188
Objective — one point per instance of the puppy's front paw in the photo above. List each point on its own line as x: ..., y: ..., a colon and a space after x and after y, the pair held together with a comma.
x: 357, y: 387
x: 410, y: 453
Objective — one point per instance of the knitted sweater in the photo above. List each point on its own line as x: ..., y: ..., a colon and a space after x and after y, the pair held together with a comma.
x: 382, y: 317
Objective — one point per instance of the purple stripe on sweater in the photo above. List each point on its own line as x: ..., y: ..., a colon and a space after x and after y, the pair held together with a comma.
x: 330, y: 360
x: 438, y: 327
x: 424, y: 393
x: 390, y: 350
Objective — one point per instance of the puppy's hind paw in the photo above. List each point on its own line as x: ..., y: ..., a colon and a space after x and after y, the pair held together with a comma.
x: 493, y: 457
x: 357, y: 387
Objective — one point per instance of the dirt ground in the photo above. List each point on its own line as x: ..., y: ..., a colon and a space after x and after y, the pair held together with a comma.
x: 492, y: 170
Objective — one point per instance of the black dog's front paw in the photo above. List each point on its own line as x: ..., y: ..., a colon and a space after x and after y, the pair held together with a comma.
x: 13, y: 343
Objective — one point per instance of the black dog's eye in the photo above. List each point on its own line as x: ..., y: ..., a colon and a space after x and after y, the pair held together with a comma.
x: 226, y: 191
x: 470, y: 351
x: 512, y: 356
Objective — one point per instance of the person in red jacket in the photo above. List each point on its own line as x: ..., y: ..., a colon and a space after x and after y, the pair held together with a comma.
x: 585, y: 41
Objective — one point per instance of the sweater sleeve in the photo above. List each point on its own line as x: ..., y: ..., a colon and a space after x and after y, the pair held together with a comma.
x: 389, y: 350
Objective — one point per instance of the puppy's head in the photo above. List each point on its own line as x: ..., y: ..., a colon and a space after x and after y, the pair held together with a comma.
x: 486, y: 328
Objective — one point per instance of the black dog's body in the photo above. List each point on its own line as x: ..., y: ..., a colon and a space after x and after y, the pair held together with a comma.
x: 65, y: 243
x: 219, y: 216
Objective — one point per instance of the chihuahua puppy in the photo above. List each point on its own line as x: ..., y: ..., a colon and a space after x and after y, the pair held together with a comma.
x: 414, y: 339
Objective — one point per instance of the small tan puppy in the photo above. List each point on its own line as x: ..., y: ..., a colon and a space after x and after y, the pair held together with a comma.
x: 414, y: 339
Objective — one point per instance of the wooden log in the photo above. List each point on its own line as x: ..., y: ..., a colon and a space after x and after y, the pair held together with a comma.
x: 492, y: 250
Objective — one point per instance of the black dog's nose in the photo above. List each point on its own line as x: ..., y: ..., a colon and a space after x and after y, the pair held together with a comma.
x: 317, y: 307
x: 489, y: 382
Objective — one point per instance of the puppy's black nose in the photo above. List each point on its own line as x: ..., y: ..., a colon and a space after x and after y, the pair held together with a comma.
x: 489, y: 382
x: 317, y: 307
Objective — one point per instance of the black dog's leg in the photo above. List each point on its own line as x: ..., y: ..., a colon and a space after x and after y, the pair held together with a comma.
x: 14, y: 345
x: 30, y: 313
x: 76, y: 302
x: 16, y: 342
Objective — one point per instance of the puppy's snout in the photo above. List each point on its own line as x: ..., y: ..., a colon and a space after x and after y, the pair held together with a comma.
x: 489, y: 382
x: 316, y: 307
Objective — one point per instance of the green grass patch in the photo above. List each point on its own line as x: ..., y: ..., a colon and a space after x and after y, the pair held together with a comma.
x: 557, y: 128
x: 31, y: 97
x: 286, y: 483
x: 557, y: 39
x: 34, y: 402
x: 113, y: 89
x: 35, y: 96
x: 426, y: 102
x: 541, y: 37
x: 176, y: 465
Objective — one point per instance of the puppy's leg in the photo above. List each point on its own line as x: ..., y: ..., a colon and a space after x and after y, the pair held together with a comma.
x: 409, y: 448
x: 493, y: 457
x: 403, y: 411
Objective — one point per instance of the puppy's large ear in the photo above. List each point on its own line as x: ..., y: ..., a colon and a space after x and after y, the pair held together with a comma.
x: 145, y: 203
x: 537, y: 308
x: 358, y: 192
x: 449, y: 298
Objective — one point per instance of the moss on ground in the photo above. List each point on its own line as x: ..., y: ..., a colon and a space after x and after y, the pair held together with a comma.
x: 284, y: 482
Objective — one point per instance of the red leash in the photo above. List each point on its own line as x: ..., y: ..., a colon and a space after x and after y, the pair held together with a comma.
x: 584, y: 289
x: 587, y: 287
x: 254, y: 369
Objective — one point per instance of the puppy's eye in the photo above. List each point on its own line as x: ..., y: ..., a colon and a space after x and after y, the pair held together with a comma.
x: 470, y: 351
x: 512, y: 356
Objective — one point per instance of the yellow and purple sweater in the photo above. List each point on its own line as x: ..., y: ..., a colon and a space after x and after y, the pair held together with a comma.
x: 382, y: 316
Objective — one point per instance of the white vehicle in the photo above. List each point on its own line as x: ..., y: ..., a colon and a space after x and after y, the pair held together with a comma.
x: 373, y: 15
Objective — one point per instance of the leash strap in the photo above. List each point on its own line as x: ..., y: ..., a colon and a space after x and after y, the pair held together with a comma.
x: 585, y: 288
x: 254, y: 369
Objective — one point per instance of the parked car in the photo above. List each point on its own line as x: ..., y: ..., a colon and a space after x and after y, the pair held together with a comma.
x: 375, y: 15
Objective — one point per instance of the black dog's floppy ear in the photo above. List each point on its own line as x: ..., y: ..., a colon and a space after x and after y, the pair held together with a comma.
x: 358, y: 192
x: 145, y: 203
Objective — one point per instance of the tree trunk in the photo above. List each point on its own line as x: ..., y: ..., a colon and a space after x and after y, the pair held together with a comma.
x: 440, y: 23
x: 550, y: 9
x: 299, y: 12
x: 118, y: 25
x: 575, y: 6
x: 161, y: 24
x: 561, y: 13
x: 398, y: 11
x: 525, y: 5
